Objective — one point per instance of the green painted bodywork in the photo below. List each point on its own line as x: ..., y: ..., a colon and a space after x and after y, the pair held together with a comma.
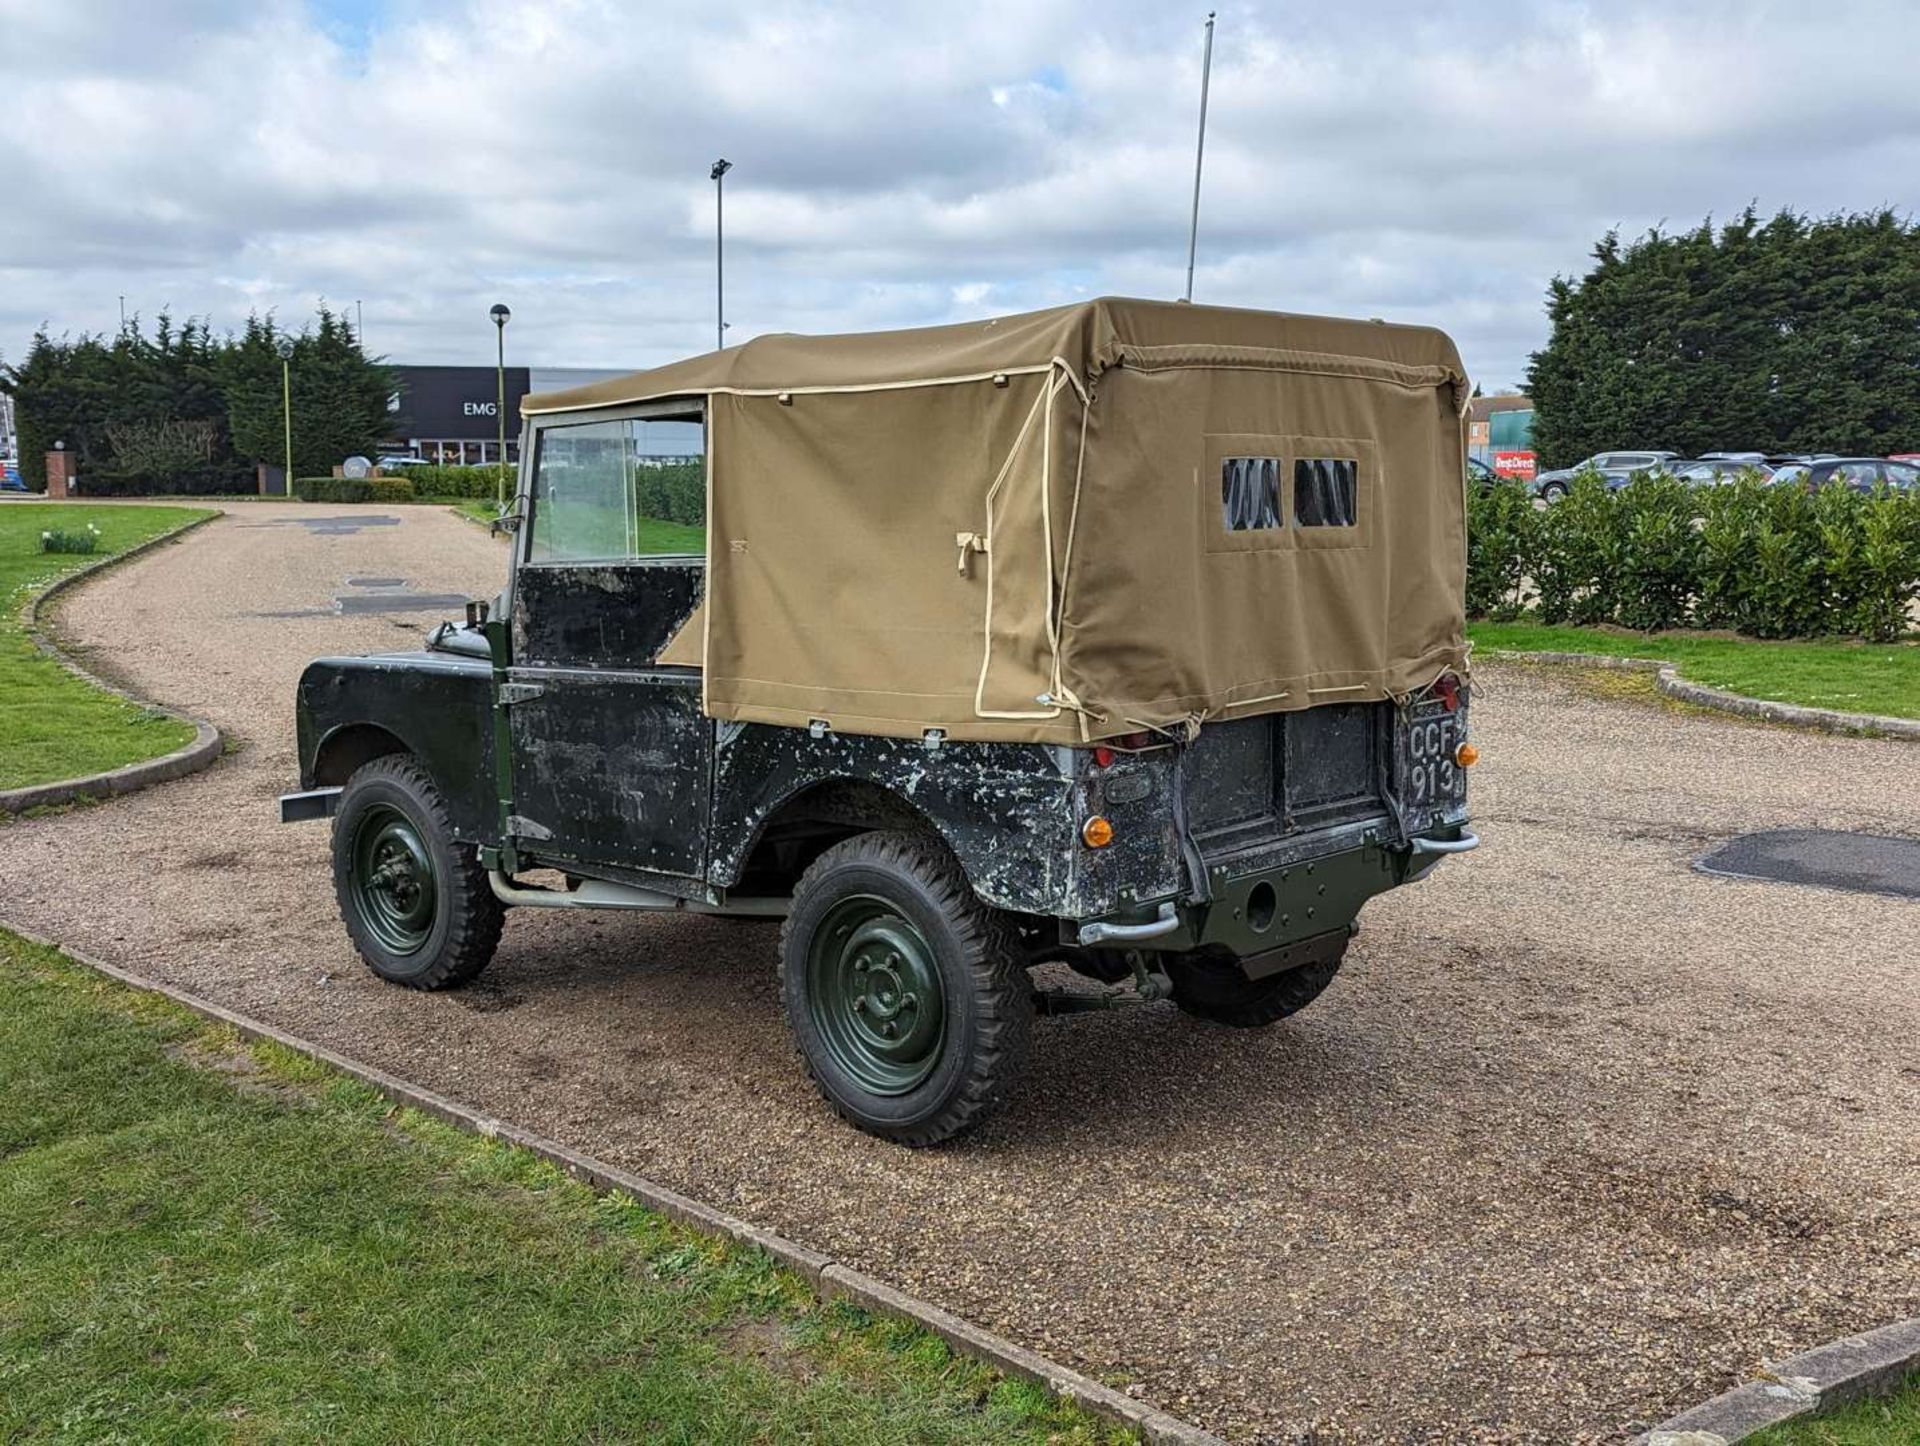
x: 395, y: 888
x: 874, y: 993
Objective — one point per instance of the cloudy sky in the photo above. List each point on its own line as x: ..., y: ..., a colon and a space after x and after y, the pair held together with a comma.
x: 898, y: 164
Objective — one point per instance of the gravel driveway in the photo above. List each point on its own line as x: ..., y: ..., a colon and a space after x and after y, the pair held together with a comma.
x: 1578, y: 1136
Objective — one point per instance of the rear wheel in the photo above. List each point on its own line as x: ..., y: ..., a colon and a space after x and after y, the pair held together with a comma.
x: 1553, y: 492
x: 907, y: 996
x: 1211, y: 987
x: 416, y: 902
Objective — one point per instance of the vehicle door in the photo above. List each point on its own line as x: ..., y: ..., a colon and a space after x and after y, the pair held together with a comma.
x: 610, y: 750
x: 1860, y: 476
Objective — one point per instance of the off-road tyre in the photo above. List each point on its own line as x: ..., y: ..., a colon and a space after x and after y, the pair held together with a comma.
x: 1211, y: 987
x: 391, y: 810
x: 851, y: 908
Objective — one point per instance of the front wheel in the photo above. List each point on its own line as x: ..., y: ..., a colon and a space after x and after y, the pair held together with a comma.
x: 416, y: 902
x: 1553, y: 492
x: 907, y: 996
x: 1211, y: 987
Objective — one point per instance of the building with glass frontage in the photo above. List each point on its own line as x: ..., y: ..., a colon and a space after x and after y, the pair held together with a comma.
x: 451, y: 414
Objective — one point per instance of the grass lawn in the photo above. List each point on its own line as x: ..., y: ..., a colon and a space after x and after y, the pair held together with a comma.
x: 1894, y: 1421
x: 474, y: 507
x: 655, y: 537
x: 1852, y: 677
x: 52, y: 725
x: 214, y: 1240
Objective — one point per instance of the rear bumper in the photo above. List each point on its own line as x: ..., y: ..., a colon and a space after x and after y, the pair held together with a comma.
x: 1275, y: 908
x: 314, y: 803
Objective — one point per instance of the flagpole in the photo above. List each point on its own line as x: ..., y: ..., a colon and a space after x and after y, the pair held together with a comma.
x: 1199, y: 155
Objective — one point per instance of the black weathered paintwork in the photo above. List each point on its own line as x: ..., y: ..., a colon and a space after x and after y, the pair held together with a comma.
x: 436, y: 706
x: 611, y: 768
x: 610, y: 753
x: 1006, y: 810
x: 601, y: 615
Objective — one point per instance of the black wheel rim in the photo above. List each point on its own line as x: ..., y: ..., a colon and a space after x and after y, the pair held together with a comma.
x: 874, y: 995
x: 395, y: 887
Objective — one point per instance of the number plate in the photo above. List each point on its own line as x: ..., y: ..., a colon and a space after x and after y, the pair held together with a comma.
x: 1430, y: 782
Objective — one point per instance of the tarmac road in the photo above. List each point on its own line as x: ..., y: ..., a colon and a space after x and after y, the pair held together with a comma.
x: 1579, y: 1135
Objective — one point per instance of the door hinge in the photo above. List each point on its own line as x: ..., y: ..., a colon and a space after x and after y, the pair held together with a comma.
x: 511, y: 693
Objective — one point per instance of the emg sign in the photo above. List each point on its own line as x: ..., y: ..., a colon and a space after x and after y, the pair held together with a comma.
x: 455, y: 403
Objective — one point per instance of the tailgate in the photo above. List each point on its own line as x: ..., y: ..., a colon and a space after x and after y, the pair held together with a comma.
x: 1293, y: 784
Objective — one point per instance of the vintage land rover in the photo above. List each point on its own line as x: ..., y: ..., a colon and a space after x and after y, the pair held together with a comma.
x: 1125, y: 635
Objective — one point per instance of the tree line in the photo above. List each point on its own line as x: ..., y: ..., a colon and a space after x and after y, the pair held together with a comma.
x: 181, y: 410
x: 1791, y: 334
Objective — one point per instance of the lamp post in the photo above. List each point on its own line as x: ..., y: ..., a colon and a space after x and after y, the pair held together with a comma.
x: 285, y: 347
x: 718, y: 174
x: 501, y: 316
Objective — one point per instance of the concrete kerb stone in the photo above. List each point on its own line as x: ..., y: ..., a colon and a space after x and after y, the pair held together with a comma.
x: 969, y: 1339
x: 201, y: 753
x: 1668, y: 680
x: 827, y: 1276
x: 1822, y: 1379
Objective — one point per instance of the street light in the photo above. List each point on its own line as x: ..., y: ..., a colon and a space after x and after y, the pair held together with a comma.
x: 718, y: 176
x: 501, y: 316
x: 285, y: 347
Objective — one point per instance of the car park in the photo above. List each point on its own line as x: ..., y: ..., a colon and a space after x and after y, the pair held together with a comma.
x: 909, y: 701
x: 1554, y: 485
x: 1711, y: 471
x: 1862, y: 474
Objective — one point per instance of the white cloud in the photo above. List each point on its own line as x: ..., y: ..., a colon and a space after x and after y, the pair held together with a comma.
x: 898, y: 164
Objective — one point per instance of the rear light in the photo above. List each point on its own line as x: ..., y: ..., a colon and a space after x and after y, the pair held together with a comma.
x: 1466, y: 755
x: 1096, y: 832
x: 1105, y: 753
x: 1447, y: 687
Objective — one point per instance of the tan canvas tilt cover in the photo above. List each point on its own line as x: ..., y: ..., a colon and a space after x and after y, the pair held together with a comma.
x: 1072, y: 524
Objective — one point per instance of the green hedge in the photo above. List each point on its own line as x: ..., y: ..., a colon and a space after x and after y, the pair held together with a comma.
x: 223, y: 478
x: 1772, y: 562
x: 453, y: 480
x: 676, y: 492
x: 354, y: 489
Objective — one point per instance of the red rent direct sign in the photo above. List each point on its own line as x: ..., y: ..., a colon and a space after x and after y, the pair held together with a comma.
x: 1514, y: 464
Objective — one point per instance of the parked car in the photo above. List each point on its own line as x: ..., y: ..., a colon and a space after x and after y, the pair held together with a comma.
x: 1481, y: 474
x: 396, y: 462
x: 1712, y: 470
x: 10, y: 478
x: 939, y: 775
x: 1552, y: 486
x: 1732, y: 457
x: 1862, y: 474
x: 1909, y: 457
